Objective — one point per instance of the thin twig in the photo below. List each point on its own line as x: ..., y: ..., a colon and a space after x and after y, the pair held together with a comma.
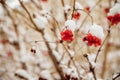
x: 71, y: 59
x: 73, y: 9
x: 63, y: 4
x: 87, y: 14
x: 107, y: 36
x: 76, y: 33
x: 29, y: 15
x: 114, y: 78
x: 38, y: 6
x: 13, y: 22
x: 53, y: 58
x: 91, y: 67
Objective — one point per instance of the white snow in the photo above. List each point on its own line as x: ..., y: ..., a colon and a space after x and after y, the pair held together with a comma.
x: 92, y: 58
x: 71, y: 24
x: 14, y: 3
x: 46, y: 13
x: 91, y: 3
x: 71, y: 53
x: 1, y: 11
x: 46, y: 74
x: 97, y: 31
x: 67, y: 8
x: 40, y: 21
x: 78, y: 5
x: 86, y: 28
x: 115, y: 9
x: 23, y: 73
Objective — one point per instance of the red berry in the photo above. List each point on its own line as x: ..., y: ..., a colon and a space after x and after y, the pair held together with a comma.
x: 76, y: 15
x: 115, y: 19
x: 92, y: 40
x: 67, y: 35
x: 106, y: 10
x: 87, y: 8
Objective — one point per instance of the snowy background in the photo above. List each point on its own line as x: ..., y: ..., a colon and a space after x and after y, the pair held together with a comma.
x: 31, y: 47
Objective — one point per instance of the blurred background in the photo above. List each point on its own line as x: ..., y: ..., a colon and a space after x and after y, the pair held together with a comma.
x: 30, y: 47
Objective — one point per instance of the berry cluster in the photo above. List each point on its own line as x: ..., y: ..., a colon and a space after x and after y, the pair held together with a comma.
x: 67, y: 35
x: 92, y: 40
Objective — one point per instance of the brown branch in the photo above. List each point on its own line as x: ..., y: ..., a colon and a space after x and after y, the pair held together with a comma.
x: 92, y: 69
x: 13, y: 23
x: 73, y: 9
x: 114, y: 78
x: 38, y: 6
x: 20, y: 76
x: 30, y: 17
x: 15, y: 11
x: 115, y: 1
x: 62, y: 57
x: 53, y: 58
x: 84, y: 20
x: 71, y: 59
x: 105, y: 61
x: 87, y: 15
x: 65, y: 14
x: 106, y: 39
x: 11, y: 17
x: 105, y: 52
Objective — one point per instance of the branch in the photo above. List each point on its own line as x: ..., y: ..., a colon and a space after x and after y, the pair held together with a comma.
x: 63, y: 4
x: 92, y: 69
x: 114, y: 78
x: 71, y: 59
x: 53, y: 58
x: 106, y: 38
x: 13, y: 22
x: 73, y: 9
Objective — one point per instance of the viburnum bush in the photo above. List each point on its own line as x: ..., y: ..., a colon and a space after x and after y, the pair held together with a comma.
x: 59, y: 39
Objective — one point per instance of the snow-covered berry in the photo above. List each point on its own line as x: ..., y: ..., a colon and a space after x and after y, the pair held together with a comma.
x: 114, y: 19
x: 114, y: 14
x: 67, y: 35
x: 76, y: 15
x: 94, y: 36
x: 92, y: 40
x: 70, y: 24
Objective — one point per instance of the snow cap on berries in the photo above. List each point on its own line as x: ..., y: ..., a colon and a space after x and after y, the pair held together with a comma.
x: 94, y: 36
x: 114, y: 14
x: 115, y: 9
x: 67, y: 32
x: 70, y: 24
x: 96, y: 30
